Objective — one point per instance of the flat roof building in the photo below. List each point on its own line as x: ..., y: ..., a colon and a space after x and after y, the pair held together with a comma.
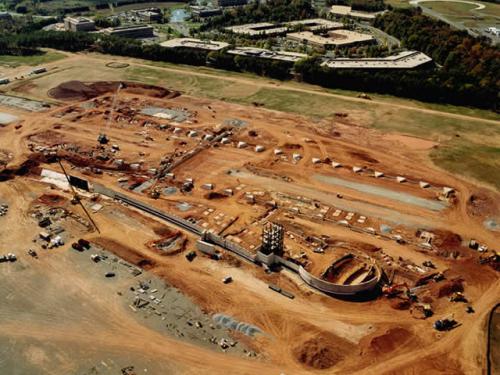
x: 150, y: 14
x: 346, y: 11
x: 402, y: 60
x: 204, y: 12
x: 230, y: 3
x: 78, y: 24
x: 5, y: 16
x: 261, y: 29
x: 267, y: 54
x: 209, y: 45
x: 316, y: 24
x: 331, y: 39
x: 133, y: 32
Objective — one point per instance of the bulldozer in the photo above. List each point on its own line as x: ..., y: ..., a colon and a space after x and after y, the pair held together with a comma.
x: 458, y: 297
x: 445, y: 324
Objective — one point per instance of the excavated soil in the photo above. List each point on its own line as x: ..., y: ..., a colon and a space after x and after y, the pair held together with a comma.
x: 450, y: 287
x: 77, y: 90
x: 400, y: 304
x: 481, y: 203
x: 127, y: 253
x: 317, y: 353
x: 447, y: 240
x: 364, y: 157
x: 29, y: 166
x: 52, y: 199
x: 391, y: 340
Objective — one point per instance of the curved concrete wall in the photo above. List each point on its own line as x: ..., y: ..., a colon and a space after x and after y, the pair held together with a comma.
x: 339, y: 289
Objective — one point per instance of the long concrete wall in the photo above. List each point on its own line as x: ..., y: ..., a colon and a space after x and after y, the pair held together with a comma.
x: 228, y: 245
x: 338, y: 289
x: 313, y: 281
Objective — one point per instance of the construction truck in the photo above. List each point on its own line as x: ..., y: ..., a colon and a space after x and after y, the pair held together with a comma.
x: 102, y: 139
x: 445, y: 324
x: 458, y: 297
x: 394, y: 290
x: 155, y: 193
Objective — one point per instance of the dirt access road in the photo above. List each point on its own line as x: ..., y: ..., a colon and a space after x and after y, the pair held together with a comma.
x: 263, y: 83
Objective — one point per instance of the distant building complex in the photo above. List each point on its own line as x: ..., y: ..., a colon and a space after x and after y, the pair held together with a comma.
x: 149, y: 15
x: 204, y: 12
x: 346, y: 11
x: 134, y: 32
x: 261, y: 29
x: 208, y: 45
x: 332, y: 39
x: 267, y: 29
x: 78, y: 24
x: 317, y: 24
x: 403, y: 60
x: 267, y: 54
x: 230, y: 3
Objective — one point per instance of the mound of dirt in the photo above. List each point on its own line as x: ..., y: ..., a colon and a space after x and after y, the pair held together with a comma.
x: 400, y: 304
x: 292, y: 146
x: 29, y: 166
x: 214, y: 195
x: 481, y: 203
x: 446, y: 240
x: 363, y: 156
x: 165, y: 232
x: 79, y: 91
x: 391, y: 340
x: 450, y: 287
x: 128, y: 254
x: 317, y: 353
x: 52, y: 199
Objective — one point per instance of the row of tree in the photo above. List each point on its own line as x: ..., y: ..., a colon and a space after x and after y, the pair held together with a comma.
x: 271, y: 11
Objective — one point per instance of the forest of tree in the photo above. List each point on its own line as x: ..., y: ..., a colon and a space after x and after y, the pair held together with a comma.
x: 469, y: 65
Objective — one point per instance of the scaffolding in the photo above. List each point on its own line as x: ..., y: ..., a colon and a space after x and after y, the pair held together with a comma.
x: 272, y: 239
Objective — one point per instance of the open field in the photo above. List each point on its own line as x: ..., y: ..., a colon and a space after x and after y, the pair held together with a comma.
x: 351, y: 182
x: 476, y: 16
x: 15, y: 61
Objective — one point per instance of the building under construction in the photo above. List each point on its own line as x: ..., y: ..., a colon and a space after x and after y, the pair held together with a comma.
x: 272, y: 239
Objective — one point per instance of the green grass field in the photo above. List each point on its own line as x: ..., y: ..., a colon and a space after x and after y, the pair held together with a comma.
x: 457, y: 9
x: 461, y: 13
x: 15, y: 61
x: 470, y: 159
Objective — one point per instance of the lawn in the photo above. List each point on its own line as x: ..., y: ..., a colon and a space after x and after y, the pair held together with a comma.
x: 470, y: 159
x: 449, y: 8
x: 15, y: 61
x: 465, y: 13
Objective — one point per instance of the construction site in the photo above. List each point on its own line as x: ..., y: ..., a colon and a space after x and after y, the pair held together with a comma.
x: 200, y: 236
